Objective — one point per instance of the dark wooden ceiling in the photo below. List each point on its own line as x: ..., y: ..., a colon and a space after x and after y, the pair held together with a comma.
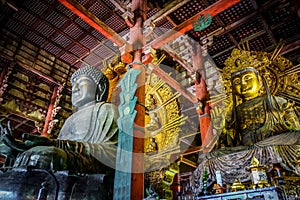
x: 50, y: 42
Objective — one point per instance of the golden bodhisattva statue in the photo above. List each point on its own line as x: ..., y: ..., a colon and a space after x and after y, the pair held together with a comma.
x: 260, y: 118
x: 254, y: 113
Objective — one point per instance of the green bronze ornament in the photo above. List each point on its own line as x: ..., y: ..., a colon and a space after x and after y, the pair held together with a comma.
x: 202, y: 23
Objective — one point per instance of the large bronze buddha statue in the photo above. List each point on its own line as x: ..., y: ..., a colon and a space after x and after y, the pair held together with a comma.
x: 255, y: 122
x: 87, y: 140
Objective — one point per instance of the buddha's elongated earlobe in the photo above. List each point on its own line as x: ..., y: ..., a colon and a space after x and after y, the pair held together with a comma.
x: 101, y: 92
x: 98, y: 96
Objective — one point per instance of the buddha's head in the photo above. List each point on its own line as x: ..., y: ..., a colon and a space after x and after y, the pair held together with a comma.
x: 246, y: 83
x: 88, y: 85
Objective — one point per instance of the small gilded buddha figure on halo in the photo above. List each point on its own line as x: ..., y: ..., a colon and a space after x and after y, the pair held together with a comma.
x: 87, y: 140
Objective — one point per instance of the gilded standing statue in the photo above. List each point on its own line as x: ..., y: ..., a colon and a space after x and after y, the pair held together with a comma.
x: 87, y: 140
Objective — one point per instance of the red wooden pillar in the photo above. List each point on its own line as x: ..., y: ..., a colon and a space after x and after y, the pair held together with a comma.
x: 202, y: 95
x: 203, y: 111
x: 137, y: 41
x: 49, y: 113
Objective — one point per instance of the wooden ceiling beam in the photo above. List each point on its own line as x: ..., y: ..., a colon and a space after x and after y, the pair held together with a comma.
x: 251, y: 37
x: 264, y: 21
x: 173, y: 83
x: 244, y: 20
x: 178, y: 59
x: 171, y: 7
x: 222, y: 24
x: 167, y: 17
x: 12, y: 117
x: 290, y: 47
x: 56, y: 32
x: 186, y: 142
x: 7, y: 115
x: 21, y: 123
x: 113, y: 12
x: 38, y: 21
x: 24, y: 101
x: 186, y: 26
x: 47, y: 39
x: 93, y: 21
x: 100, y: 26
x: 27, y: 93
x: 191, y: 151
x: 238, y: 23
x: 16, y: 78
x: 188, y: 162
x: 119, y: 5
x: 286, y: 49
x: 39, y: 74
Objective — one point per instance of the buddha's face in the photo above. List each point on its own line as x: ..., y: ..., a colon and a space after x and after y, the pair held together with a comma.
x: 246, y: 85
x: 83, y: 91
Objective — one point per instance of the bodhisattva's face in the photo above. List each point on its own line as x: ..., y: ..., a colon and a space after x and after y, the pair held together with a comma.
x: 83, y: 91
x: 246, y: 85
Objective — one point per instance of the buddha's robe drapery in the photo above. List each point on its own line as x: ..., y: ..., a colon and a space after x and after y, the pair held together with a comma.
x: 86, y: 143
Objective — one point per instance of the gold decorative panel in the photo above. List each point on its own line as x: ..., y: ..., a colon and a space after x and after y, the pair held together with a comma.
x: 164, y: 119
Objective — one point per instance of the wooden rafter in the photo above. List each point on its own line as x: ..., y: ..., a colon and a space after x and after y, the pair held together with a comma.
x: 93, y: 21
x: 178, y: 59
x: 188, y: 24
x: 173, y: 83
x: 56, y: 32
x: 165, y: 11
x: 119, y: 5
x: 290, y: 47
x: 230, y: 27
x: 100, y: 26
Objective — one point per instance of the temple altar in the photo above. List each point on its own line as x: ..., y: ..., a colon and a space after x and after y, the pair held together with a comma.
x: 274, y: 193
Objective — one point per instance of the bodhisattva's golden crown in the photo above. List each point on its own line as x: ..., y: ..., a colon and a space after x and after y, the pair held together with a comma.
x: 279, y: 73
x: 240, y: 60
